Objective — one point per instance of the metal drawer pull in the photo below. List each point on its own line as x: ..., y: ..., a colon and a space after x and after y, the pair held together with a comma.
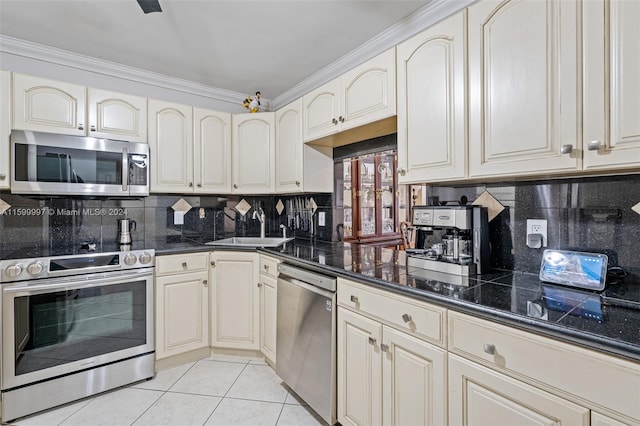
x: 384, y: 348
x: 372, y: 341
x: 205, y: 282
x: 354, y: 299
x: 184, y: 264
x: 489, y: 348
x: 566, y: 149
x: 594, y: 145
x: 406, y: 317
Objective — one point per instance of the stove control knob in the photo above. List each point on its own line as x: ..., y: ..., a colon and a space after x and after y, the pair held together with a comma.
x: 14, y: 270
x: 145, y: 258
x: 130, y: 259
x: 35, y: 268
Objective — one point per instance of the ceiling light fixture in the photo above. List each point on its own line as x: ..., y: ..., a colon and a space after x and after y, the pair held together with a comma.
x: 149, y: 6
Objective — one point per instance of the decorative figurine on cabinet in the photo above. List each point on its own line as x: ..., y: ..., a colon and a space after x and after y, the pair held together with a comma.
x: 252, y: 104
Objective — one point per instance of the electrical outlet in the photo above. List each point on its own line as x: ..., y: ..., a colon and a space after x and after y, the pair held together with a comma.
x: 536, y: 233
x: 321, y: 219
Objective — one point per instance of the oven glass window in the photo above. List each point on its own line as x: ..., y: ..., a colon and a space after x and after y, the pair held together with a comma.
x: 56, y: 328
x: 40, y: 163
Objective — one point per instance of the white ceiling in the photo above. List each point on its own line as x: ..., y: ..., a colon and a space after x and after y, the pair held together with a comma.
x: 238, y: 45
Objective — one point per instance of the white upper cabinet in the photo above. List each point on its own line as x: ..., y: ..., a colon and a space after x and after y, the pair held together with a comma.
x: 212, y: 151
x: 50, y: 106
x: 432, y: 103
x: 5, y: 128
x: 524, y: 98
x: 611, y: 84
x: 171, y: 146
x: 360, y: 96
x: 253, y: 155
x: 299, y: 167
x: 117, y: 116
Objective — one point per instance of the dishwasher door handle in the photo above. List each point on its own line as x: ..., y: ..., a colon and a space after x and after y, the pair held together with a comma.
x: 306, y: 286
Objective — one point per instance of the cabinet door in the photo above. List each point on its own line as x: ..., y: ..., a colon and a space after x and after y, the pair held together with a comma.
x: 321, y: 109
x: 117, y: 116
x: 182, y: 315
x: 479, y: 396
x: 235, y: 301
x: 253, y: 153
x: 611, y: 84
x: 268, y: 316
x: 432, y: 103
x: 413, y: 367
x: 359, y: 370
x: 524, y: 100
x: 598, y: 419
x: 5, y: 128
x: 171, y: 145
x: 369, y: 91
x: 48, y: 106
x: 289, y: 148
x: 212, y: 151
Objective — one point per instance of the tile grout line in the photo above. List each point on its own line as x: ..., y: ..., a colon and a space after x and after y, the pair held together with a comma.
x: 225, y: 394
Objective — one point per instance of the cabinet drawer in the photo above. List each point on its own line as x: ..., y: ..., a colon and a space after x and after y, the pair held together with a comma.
x: 269, y: 266
x: 403, y: 313
x: 177, y: 263
x: 567, y: 370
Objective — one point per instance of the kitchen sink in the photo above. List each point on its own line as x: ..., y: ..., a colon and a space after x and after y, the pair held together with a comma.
x: 250, y: 242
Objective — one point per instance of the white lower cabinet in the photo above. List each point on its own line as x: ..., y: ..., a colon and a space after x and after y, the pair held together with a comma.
x: 182, y: 301
x: 480, y: 396
x: 386, y: 376
x: 268, y: 306
x: 5, y: 128
x: 235, y: 300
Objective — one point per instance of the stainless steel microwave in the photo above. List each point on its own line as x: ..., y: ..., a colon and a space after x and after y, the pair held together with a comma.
x: 53, y: 164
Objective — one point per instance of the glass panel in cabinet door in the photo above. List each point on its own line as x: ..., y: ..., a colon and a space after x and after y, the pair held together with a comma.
x: 386, y: 175
x: 348, y: 195
x: 367, y: 196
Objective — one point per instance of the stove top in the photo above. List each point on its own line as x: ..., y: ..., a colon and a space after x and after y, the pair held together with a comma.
x: 34, y: 262
x: 36, y: 250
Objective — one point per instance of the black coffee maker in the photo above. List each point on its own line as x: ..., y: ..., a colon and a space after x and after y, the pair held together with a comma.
x: 451, y: 239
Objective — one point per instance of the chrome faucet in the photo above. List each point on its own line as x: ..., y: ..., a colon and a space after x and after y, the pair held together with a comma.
x: 259, y: 214
x: 284, y: 230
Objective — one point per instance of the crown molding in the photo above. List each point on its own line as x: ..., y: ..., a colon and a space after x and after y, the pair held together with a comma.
x: 57, y: 56
x: 421, y: 19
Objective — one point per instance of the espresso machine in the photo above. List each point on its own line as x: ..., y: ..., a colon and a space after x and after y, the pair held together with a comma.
x: 450, y: 239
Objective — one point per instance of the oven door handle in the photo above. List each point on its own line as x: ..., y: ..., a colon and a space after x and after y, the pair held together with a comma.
x: 50, y: 287
x: 125, y: 170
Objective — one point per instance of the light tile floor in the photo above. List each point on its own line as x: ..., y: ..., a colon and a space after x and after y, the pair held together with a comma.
x: 221, y: 390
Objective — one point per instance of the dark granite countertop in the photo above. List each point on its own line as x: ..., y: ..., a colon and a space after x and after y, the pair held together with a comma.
x: 513, y: 298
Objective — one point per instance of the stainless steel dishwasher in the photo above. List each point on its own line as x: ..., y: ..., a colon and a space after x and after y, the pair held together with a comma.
x: 306, y: 337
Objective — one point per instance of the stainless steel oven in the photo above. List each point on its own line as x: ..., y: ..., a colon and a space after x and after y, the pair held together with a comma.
x: 47, y: 163
x: 74, y: 326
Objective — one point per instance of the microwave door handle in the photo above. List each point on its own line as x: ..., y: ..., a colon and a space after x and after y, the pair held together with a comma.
x: 125, y: 169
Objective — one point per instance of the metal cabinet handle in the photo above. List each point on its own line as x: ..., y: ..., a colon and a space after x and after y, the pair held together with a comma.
x: 80, y: 126
x: 489, y: 348
x: 266, y: 268
x: 3, y: 176
x: 184, y: 264
x: 334, y: 121
x: 402, y: 172
x: 205, y: 282
x: 406, y: 318
x: 213, y: 264
x: 594, y: 145
x: 190, y: 184
x: 297, y: 183
x: 354, y: 299
x: 199, y: 185
x: 235, y: 186
x: 92, y: 128
x: 259, y: 284
x: 341, y: 119
x: 566, y: 149
x: 372, y: 341
x: 384, y: 348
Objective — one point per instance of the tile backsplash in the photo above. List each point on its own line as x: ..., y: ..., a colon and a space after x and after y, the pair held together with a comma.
x: 69, y: 222
x: 584, y: 214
